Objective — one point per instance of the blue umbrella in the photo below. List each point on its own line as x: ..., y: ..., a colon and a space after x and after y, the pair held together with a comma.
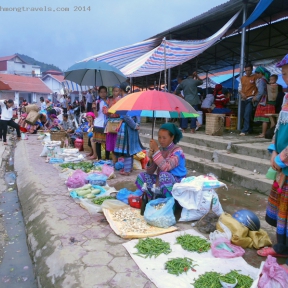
x: 94, y: 73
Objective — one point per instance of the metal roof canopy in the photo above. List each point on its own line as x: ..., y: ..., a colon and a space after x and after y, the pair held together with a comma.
x: 266, y: 38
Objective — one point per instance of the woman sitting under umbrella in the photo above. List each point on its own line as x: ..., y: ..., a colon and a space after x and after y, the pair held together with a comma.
x: 168, y: 161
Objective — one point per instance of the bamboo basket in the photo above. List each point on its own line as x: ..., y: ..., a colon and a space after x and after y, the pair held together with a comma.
x: 85, y: 142
x: 31, y: 107
x: 214, y: 124
x: 58, y: 136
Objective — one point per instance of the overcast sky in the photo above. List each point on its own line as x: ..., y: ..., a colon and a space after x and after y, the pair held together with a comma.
x: 62, y: 38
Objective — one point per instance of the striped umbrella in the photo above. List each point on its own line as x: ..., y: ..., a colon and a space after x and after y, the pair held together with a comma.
x: 155, y: 104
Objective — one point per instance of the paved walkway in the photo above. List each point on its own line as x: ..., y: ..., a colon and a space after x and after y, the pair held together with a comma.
x: 72, y: 248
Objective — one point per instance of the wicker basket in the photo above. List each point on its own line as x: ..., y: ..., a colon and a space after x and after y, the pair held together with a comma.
x: 85, y: 142
x: 58, y: 136
x: 214, y: 124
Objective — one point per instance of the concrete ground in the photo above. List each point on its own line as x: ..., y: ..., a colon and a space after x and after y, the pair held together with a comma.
x: 70, y: 247
x: 3, y: 155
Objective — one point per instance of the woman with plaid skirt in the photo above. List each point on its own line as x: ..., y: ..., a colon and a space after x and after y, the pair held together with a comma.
x: 277, y: 208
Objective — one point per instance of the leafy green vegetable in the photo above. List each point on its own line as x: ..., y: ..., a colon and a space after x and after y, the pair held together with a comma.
x: 100, y: 200
x: 84, y: 166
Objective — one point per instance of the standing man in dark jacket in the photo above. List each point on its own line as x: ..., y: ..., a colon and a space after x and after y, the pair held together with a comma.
x: 189, y: 87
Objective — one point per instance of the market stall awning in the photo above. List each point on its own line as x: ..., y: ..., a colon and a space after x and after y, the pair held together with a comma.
x: 71, y: 86
x: 122, y: 56
x: 259, y: 9
x: 172, y: 53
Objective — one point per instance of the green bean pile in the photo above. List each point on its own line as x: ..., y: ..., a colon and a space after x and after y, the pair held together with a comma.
x: 208, y: 280
x: 243, y: 280
x: 227, y: 279
x: 211, y: 280
x: 179, y: 265
x: 152, y: 247
x: 100, y: 200
x: 193, y: 243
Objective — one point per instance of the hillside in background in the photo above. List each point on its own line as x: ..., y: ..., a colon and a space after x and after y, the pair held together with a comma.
x: 43, y: 66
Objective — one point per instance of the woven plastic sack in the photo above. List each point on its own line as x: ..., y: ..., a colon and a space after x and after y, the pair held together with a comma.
x: 222, y: 248
x: 273, y: 275
x: 162, y: 218
x: 201, y: 201
x: 77, y: 179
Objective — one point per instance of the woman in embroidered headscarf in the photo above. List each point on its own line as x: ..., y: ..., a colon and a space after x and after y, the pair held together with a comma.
x: 168, y: 161
x: 277, y: 208
x: 263, y: 105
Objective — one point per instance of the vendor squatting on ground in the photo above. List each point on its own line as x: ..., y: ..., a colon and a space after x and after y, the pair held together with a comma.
x: 168, y: 161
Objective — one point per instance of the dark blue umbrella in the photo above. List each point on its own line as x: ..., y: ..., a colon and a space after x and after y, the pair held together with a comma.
x: 94, y: 73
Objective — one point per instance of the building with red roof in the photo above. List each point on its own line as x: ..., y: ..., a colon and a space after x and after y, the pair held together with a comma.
x: 15, y: 65
x: 23, y: 87
x: 54, y: 82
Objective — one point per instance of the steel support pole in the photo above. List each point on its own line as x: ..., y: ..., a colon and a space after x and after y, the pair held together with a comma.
x: 169, y: 74
x: 165, y: 74
x: 206, y: 82
x: 233, y: 80
x: 242, y: 59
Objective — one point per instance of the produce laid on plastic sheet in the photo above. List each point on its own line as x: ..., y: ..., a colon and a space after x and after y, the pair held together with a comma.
x: 131, y: 222
x: 128, y: 223
x: 202, y: 263
x: 150, y: 247
x: 193, y: 243
x: 179, y: 265
x: 229, y: 280
x: 84, y: 166
x: 100, y: 200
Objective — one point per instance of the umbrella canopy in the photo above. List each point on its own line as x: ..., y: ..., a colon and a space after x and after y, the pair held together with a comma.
x: 94, y: 73
x: 153, y: 103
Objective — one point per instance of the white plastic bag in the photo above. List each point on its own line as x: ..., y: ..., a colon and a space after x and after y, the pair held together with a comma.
x: 189, y: 192
x: 217, y: 234
x: 49, y: 147
x: 47, y: 138
x: 89, y: 206
x: 41, y: 137
x: 203, y: 201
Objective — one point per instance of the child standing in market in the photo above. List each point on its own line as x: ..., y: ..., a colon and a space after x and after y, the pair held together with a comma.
x: 112, y: 137
x: 128, y: 141
x: 99, y: 137
x: 277, y: 208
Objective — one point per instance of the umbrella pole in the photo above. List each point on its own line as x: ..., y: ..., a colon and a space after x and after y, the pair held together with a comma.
x: 165, y: 76
x: 153, y: 124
